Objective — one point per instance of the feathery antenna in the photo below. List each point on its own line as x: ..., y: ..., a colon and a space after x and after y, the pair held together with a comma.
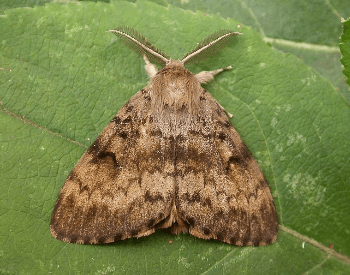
x: 138, y: 43
x: 209, y: 46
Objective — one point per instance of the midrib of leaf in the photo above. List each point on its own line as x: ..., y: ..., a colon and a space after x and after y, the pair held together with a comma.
x: 318, y: 265
x: 330, y: 252
x: 261, y: 30
x: 302, y: 45
x: 315, y: 243
x: 335, y: 12
x: 291, y: 43
x: 33, y: 124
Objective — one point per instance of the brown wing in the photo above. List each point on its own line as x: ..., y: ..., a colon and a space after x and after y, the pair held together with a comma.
x: 122, y: 186
x: 222, y: 193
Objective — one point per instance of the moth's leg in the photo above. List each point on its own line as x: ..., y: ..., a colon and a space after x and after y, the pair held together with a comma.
x: 150, y: 68
x: 205, y: 76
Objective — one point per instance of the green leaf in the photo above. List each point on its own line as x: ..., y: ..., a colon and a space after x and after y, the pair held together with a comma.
x: 63, y: 78
x: 5, y: 4
x: 345, y: 49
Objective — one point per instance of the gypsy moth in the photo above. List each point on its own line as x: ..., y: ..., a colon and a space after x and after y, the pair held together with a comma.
x: 169, y: 159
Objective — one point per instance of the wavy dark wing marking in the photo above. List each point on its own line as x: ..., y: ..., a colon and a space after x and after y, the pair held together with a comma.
x: 223, y: 194
x: 113, y: 192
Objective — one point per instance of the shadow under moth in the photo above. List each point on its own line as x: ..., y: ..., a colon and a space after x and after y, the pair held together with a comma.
x: 169, y: 159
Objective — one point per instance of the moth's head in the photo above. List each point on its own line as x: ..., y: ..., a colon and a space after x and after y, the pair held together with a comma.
x: 174, y: 68
x: 174, y: 63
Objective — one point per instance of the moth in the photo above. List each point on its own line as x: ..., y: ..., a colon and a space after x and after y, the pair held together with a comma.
x: 169, y: 159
